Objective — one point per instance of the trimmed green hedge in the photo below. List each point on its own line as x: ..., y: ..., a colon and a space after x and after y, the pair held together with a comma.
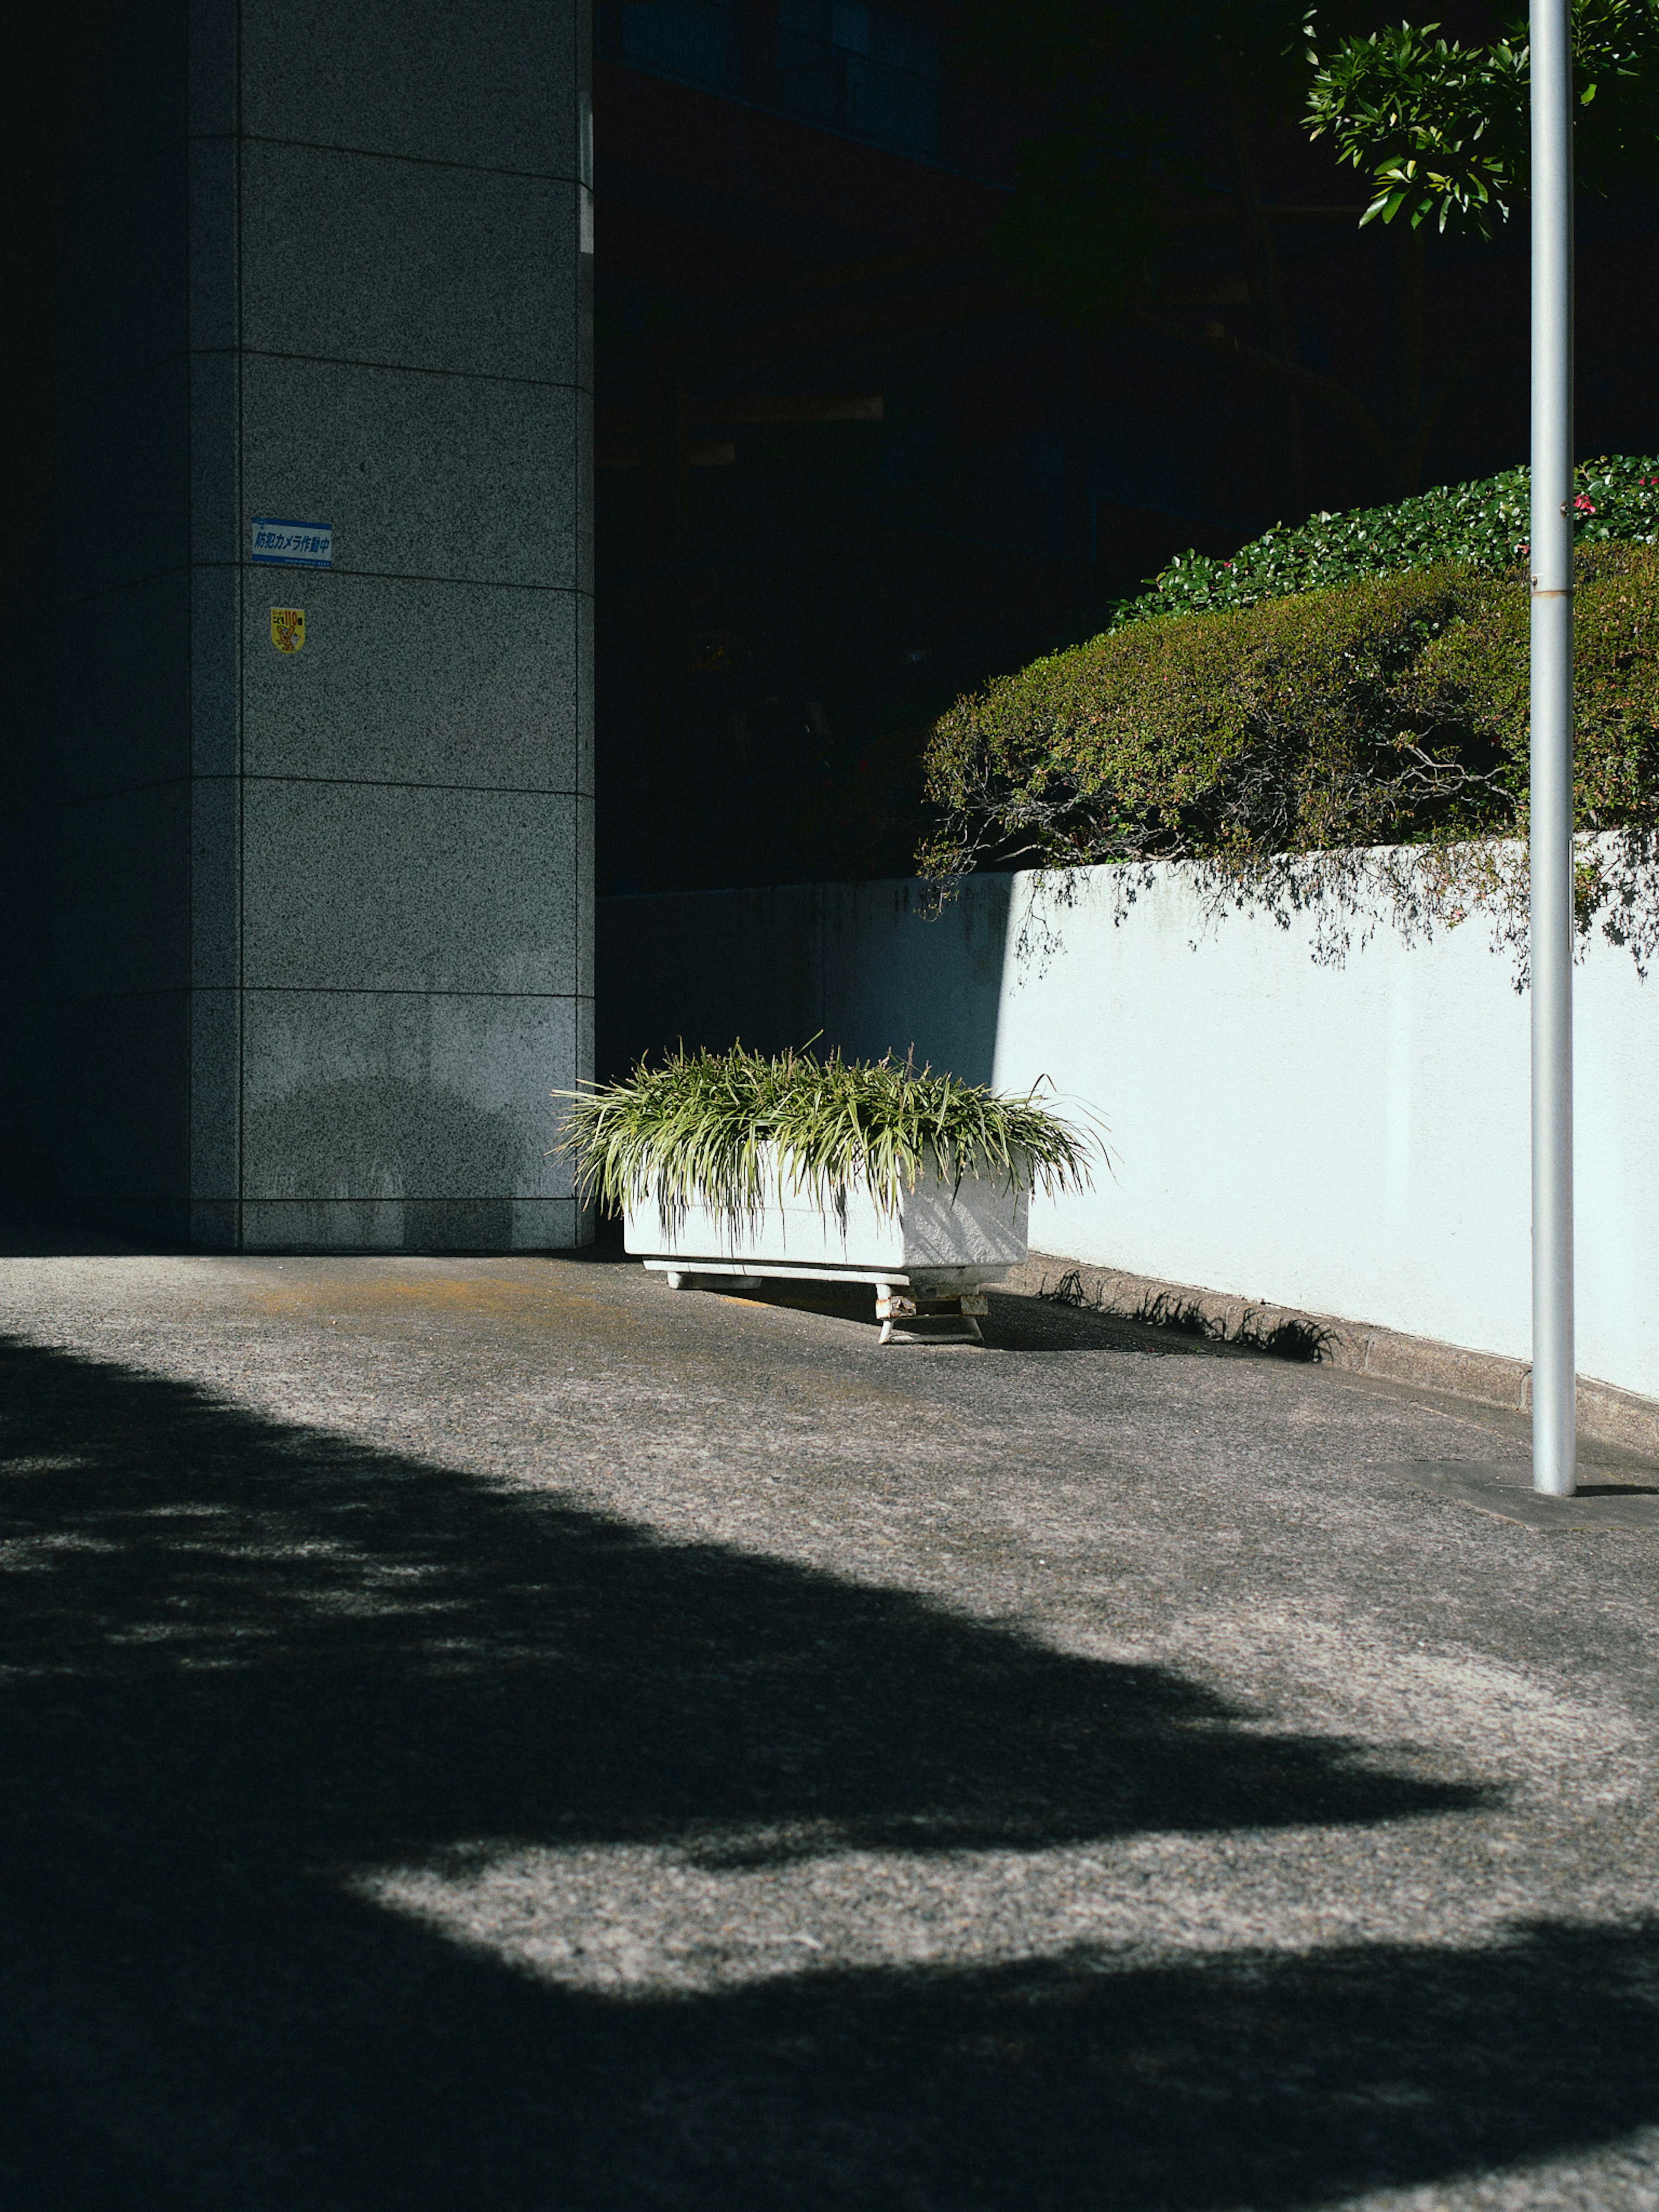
x: 1473, y: 676
x: 1392, y: 710
x: 1484, y: 524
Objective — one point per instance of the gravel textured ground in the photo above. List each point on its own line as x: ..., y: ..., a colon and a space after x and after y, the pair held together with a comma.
x: 499, y: 1734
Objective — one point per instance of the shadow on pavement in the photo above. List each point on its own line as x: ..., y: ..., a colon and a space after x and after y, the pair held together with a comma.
x: 1015, y: 1322
x: 249, y: 1664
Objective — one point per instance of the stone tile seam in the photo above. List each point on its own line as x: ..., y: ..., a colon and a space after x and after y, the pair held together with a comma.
x: 315, y: 991
x: 343, y: 783
x: 403, y: 160
x: 415, y: 576
x: 380, y: 575
x: 382, y: 991
x: 106, y: 182
x: 92, y: 394
x: 413, y: 368
x: 416, y: 783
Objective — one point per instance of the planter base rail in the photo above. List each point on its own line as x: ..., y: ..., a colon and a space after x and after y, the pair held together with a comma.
x: 943, y: 1294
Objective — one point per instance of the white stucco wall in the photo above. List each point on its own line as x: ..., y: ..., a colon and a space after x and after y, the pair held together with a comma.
x: 1352, y: 1140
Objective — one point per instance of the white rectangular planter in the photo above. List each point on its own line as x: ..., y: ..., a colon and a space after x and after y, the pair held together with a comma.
x: 940, y: 1241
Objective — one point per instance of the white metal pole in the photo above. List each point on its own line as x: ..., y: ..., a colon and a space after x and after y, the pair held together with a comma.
x: 1554, y: 1447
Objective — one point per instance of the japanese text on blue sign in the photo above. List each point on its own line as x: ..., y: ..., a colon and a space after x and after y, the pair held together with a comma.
x: 293, y: 544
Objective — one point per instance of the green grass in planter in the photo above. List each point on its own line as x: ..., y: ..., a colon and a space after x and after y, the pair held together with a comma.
x: 705, y: 1128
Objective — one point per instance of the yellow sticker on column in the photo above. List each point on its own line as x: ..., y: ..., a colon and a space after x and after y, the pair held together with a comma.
x: 288, y: 629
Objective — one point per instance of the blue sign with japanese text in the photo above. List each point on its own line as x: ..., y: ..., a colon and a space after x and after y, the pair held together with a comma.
x: 293, y: 544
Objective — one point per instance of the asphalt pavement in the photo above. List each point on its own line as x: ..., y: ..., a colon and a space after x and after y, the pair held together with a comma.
x: 499, y: 1734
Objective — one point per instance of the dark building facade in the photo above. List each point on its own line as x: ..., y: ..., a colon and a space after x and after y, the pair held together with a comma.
x: 849, y: 466
x: 845, y: 464
x: 317, y: 857
x: 672, y: 478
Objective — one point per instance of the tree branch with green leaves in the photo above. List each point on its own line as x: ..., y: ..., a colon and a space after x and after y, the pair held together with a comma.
x: 1108, y: 199
x: 1439, y: 130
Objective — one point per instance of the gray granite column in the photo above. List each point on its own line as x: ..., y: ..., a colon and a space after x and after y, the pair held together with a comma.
x: 326, y: 928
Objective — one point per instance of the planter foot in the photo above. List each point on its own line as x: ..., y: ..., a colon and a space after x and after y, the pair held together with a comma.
x: 963, y: 1308
x: 932, y: 1293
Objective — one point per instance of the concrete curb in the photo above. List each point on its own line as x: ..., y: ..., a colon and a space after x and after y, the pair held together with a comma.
x: 1606, y: 1414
